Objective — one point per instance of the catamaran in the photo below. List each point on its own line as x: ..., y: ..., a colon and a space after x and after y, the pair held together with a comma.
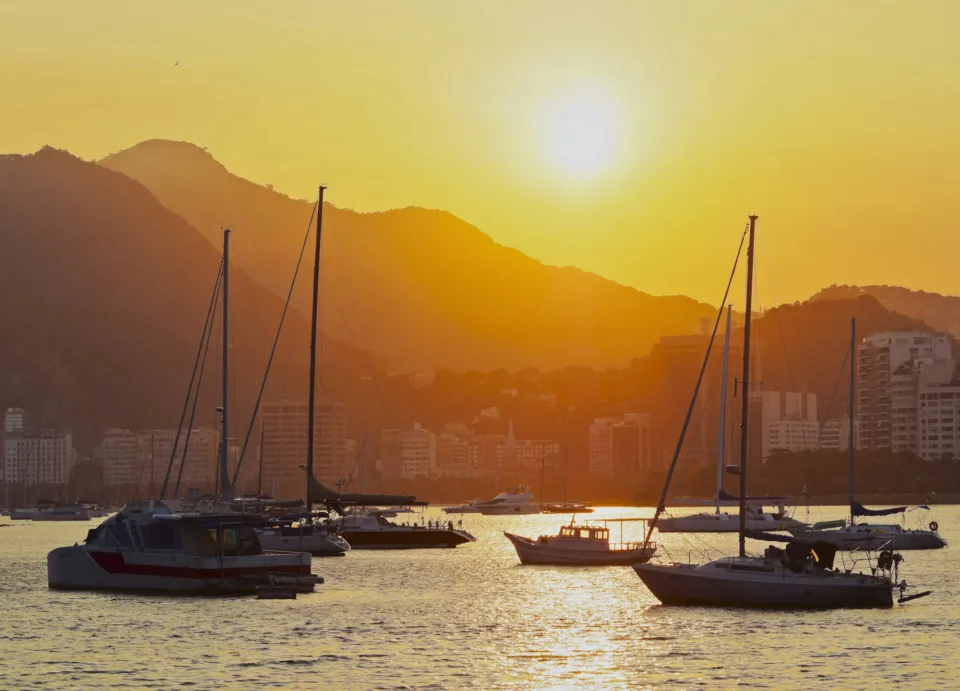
x: 801, y: 575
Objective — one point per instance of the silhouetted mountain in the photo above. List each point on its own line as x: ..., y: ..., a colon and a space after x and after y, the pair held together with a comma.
x: 942, y: 312
x: 421, y: 287
x: 103, y: 292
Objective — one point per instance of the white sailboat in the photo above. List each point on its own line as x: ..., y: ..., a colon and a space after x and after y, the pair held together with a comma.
x: 718, y: 521
x: 852, y: 535
x: 800, y: 576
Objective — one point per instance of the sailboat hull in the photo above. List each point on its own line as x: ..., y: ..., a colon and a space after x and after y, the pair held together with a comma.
x: 723, y: 523
x: 870, y: 539
x: 711, y: 585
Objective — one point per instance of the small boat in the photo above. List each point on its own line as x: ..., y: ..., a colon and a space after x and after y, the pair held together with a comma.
x: 465, y: 507
x: 153, y: 546
x: 302, y: 533
x: 582, y: 545
x: 875, y: 536
x: 566, y: 507
x: 720, y: 522
x: 62, y: 512
x: 513, y: 502
x: 372, y: 530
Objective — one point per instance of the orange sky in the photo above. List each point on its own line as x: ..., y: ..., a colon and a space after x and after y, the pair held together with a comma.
x: 835, y: 122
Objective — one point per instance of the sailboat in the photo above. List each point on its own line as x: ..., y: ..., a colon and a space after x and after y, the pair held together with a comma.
x: 719, y: 521
x: 801, y: 575
x: 304, y: 531
x: 565, y: 506
x: 851, y: 535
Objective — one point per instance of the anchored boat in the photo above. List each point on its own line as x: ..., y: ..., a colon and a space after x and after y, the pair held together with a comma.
x: 154, y: 546
x: 582, y: 545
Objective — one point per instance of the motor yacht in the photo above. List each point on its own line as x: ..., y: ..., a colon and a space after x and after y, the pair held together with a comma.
x: 465, y: 507
x: 581, y: 545
x: 513, y: 502
x: 153, y: 546
x: 303, y: 532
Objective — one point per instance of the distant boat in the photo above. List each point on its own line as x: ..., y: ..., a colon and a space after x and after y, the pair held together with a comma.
x: 302, y: 532
x: 514, y: 502
x: 566, y: 507
x: 465, y: 507
x: 372, y: 530
x: 581, y: 545
x: 62, y: 512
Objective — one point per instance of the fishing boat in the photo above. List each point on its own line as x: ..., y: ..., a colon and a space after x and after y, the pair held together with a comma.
x: 513, y: 502
x: 154, y: 546
x: 801, y: 575
x: 582, y: 545
x: 373, y: 530
x: 850, y: 535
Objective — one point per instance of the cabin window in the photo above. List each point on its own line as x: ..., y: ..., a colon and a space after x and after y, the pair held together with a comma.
x: 162, y: 535
x: 119, y: 535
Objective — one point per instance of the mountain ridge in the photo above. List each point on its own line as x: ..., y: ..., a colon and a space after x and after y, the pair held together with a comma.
x: 425, y: 289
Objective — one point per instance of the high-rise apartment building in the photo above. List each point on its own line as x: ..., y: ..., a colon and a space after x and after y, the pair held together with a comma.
x: 285, y: 445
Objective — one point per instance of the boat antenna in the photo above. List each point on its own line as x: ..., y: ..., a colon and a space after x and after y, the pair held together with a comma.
x: 745, y: 389
x: 312, y: 396
x: 225, y: 486
x: 850, y: 450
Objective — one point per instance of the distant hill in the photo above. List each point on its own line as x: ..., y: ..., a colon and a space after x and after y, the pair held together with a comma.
x: 103, y: 293
x: 941, y: 312
x: 421, y: 287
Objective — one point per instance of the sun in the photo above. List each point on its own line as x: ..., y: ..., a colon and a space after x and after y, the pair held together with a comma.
x: 579, y: 130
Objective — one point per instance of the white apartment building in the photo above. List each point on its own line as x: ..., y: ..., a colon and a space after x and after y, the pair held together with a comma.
x: 789, y: 422
x: 621, y: 447
x: 13, y: 420
x: 835, y: 434
x: 888, y: 367
x: 418, y: 452
x: 38, y: 457
x: 601, y: 446
x: 142, y: 458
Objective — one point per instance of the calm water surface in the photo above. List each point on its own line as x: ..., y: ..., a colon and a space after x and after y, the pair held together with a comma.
x: 470, y: 617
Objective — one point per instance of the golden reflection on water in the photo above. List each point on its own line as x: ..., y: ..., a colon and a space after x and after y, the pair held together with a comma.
x: 465, y: 618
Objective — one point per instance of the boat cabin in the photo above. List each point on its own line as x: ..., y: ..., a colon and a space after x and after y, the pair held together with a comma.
x: 585, y: 532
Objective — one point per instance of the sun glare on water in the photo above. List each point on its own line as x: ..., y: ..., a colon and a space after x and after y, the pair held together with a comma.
x: 579, y: 130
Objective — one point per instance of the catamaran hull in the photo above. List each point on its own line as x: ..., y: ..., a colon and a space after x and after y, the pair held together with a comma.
x: 534, y: 553
x: 76, y: 568
x: 413, y: 538
x: 683, y: 585
x: 911, y: 540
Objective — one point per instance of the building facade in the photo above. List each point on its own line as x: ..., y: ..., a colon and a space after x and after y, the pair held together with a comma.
x: 285, y: 446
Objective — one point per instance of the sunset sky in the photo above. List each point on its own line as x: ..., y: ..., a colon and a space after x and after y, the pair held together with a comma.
x: 627, y: 138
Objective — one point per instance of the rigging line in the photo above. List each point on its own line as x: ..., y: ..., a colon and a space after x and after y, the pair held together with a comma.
x: 356, y: 460
x: 684, y: 465
x: 693, y: 400
x: 207, y: 324
x: 783, y: 338
x: 273, y: 350
x: 196, y: 397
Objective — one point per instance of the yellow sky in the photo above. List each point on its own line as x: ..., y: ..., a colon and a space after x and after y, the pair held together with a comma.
x: 836, y: 122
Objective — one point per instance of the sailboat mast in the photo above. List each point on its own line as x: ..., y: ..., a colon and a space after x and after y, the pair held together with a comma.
x: 850, y: 451
x: 745, y: 390
x: 721, y: 435
x: 225, y: 393
x: 312, y: 397
x: 260, y: 469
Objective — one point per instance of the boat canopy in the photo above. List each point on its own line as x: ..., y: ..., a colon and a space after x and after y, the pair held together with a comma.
x: 858, y: 509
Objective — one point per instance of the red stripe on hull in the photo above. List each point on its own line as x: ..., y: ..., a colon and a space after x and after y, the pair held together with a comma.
x: 113, y: 562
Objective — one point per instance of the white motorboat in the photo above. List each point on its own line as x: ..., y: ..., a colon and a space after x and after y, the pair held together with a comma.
x: 581, y: 545
x: 514, y: 502
x: 720, y: 522
x: 799, y: 576
x: 372, y: 530
x: 62, y: 512
x: 465, y: 507
x: 302, y: 533
x: 154, y: 546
